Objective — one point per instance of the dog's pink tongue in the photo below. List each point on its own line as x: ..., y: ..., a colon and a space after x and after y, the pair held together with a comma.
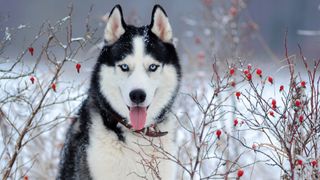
x: 138, y: 116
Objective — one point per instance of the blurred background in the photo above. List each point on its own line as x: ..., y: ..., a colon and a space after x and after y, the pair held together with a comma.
x: 261, y: 24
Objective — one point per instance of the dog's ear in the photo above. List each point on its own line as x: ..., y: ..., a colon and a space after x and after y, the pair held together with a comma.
x: 115, y: 25
x: 160, y: 25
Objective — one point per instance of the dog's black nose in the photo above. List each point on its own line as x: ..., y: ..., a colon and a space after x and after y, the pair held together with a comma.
x: 137, y: 96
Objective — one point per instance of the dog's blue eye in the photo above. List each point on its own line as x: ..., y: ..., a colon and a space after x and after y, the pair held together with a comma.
x: 153, y: 67
x: 124, y: 67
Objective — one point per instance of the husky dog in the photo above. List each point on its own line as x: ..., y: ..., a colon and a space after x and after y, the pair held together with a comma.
x: 124, y: 129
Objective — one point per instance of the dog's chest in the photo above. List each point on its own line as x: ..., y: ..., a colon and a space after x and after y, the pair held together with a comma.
x: 136, y: 158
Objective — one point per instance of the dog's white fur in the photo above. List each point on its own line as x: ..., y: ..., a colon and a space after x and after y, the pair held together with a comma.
x: 109, y: 158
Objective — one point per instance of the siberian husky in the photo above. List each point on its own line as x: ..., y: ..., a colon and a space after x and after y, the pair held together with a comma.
x: 125, y: 128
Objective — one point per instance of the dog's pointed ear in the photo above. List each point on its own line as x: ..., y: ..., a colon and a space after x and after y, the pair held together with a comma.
x: 160, y: 25
x: 115, y: 25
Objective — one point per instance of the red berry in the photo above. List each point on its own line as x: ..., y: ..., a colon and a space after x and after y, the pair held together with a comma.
x: 233, y: 11
x: 32, y: 79
x: 259, y: 72
x: 197, y: 40
x: 235, y: 122
x: 207, y: 2
x: 25, y: 177
x: 274, y: 104
x: 270, y: 79
x: 281, y: 88
x: 284, y: 117
x: 249, y: 76
x: 254, y: 146
x: 249, y: 67
x: 238, y: 94
x: 78, y: 66
x: 301, y: 118
x: 298, y: 103
x: 299, y: 162
x: 303, y: 84
x: 201, y: 56
x: 232, y: 83
x: 314, y: 163
x: 54, y: 87
x: 218, y: 133
x: 31, y: 50
x: 271, y: 113
x: 240, y: 173
x: 231, y: 71
x: 246, y: 71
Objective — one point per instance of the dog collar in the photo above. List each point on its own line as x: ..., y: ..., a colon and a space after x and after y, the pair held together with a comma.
x: 151, y: 131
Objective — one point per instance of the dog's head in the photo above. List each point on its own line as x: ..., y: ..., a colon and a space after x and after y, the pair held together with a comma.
x: 139, y: 68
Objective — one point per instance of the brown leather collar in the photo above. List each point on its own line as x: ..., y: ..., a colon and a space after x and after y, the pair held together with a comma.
x: 152, y: 131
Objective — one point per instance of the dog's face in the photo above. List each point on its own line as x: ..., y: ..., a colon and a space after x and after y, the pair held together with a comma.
x: 140, y: 71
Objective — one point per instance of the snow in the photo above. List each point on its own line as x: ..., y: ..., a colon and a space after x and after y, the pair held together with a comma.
x: 7, y: 34
x: 308, y: 33
x: 78, y: 39
x: 65, y: 19
x: 21, y: 26
x: 190, y: 21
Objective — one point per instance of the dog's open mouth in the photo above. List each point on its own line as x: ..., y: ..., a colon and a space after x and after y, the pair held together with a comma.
x: 138, y: 116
